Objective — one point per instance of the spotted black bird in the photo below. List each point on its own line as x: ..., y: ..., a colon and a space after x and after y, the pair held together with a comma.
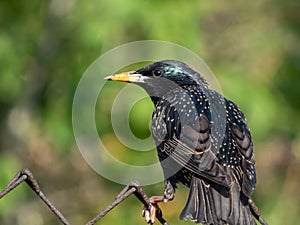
x: 202, y: 141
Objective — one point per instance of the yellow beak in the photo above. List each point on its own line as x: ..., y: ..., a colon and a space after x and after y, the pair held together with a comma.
x: 130, y: 76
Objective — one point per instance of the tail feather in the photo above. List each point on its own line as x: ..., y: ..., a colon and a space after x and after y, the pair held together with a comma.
x: 215, y: 205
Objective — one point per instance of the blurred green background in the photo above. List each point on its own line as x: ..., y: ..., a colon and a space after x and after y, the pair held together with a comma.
x: 45, y: 47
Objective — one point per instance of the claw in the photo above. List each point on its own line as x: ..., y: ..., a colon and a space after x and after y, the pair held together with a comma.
x: 146, y: 214
x: 153, y: 208
x: 151, y: 212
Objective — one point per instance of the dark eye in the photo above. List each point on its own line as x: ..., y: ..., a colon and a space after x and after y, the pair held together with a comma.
x: 157, y: 73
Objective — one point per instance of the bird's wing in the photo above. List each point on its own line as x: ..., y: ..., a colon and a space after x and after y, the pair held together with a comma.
x: 203, y: 164
x: 192, y: 150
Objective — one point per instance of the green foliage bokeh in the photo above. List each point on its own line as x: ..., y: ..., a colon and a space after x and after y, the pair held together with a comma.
x: 45, y: 47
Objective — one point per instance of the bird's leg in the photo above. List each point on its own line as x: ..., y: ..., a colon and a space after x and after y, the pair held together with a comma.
x: 26, y: 175
x: 150, y: 213
x: 153, y: 211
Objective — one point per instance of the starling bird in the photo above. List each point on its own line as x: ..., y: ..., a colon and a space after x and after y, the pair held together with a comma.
x: 202, y: 141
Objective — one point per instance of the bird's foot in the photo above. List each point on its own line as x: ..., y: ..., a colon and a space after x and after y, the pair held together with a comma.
x: 151, y: 213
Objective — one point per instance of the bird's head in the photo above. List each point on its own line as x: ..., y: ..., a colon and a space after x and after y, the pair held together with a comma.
x: 176, y: 71
x: 161, y: 76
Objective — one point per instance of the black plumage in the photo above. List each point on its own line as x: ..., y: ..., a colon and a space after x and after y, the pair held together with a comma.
x: 203, y: 142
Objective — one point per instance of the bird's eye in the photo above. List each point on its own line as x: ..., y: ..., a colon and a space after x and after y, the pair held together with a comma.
x: 157, y: 73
